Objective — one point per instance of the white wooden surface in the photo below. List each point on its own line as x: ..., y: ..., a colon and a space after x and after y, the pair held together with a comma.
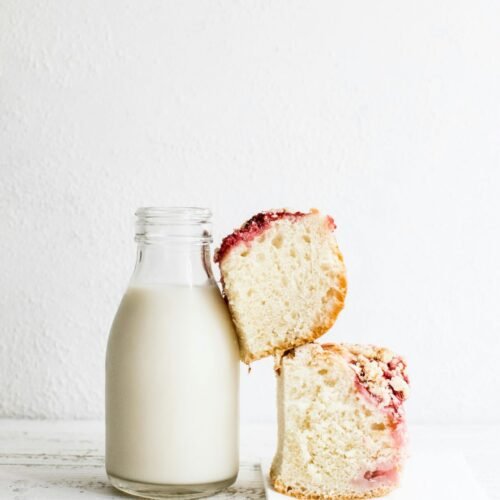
x: 64, y: 460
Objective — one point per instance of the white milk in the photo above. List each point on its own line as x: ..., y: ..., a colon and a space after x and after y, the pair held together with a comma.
x: 172, y: 373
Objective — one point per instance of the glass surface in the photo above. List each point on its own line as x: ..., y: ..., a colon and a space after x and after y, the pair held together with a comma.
x: 158, y: 491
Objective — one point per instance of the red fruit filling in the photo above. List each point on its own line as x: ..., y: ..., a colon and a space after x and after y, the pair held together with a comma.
x: 253, y: 228
x: 396, y: 367
x: 387, y: 474
x: 390, y: 474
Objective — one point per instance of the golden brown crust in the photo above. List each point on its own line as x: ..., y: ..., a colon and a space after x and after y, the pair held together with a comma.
x: 316, y: 332
x: 298, y: 492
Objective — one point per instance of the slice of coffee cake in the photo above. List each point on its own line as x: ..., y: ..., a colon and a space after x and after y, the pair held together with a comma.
x: 284, y: 280
x: 341, y: 422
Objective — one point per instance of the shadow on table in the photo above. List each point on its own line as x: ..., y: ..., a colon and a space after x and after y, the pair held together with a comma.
x: 99, y: 488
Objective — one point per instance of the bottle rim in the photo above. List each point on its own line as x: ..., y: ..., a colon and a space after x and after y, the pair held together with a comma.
x: 174, y: 214
x: 173, y: 224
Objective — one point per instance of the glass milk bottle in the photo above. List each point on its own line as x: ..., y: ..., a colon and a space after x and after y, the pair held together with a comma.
x: 172, y: 366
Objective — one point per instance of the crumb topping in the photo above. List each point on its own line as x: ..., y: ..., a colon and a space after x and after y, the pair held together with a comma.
x: 381, y: 376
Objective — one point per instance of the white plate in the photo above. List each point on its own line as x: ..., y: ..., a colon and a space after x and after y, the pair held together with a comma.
x: 427, y: 476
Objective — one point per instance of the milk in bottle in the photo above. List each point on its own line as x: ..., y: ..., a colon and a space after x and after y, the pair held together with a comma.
x: 172, y: 366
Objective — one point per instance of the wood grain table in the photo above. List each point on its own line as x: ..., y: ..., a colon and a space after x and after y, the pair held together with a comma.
x: 65, y: 459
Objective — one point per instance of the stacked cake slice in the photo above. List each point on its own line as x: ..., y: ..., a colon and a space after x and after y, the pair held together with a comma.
x: 284, y: 280
x: 341, y: 426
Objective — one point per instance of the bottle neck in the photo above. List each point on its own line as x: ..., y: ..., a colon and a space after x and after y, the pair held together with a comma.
x: 173, y: 246
x: 173, y: 264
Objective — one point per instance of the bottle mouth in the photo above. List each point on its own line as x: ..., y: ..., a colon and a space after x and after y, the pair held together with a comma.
x: 173, y: 224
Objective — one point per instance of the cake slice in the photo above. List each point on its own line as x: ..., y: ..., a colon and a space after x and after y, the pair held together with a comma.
x: 341, y: 426
x: 283, y: 277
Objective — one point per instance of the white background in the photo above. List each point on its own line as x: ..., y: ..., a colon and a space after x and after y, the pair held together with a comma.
x: 385, y: 114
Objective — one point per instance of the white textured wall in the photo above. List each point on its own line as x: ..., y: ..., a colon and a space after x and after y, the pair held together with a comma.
x: 386, y: 114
